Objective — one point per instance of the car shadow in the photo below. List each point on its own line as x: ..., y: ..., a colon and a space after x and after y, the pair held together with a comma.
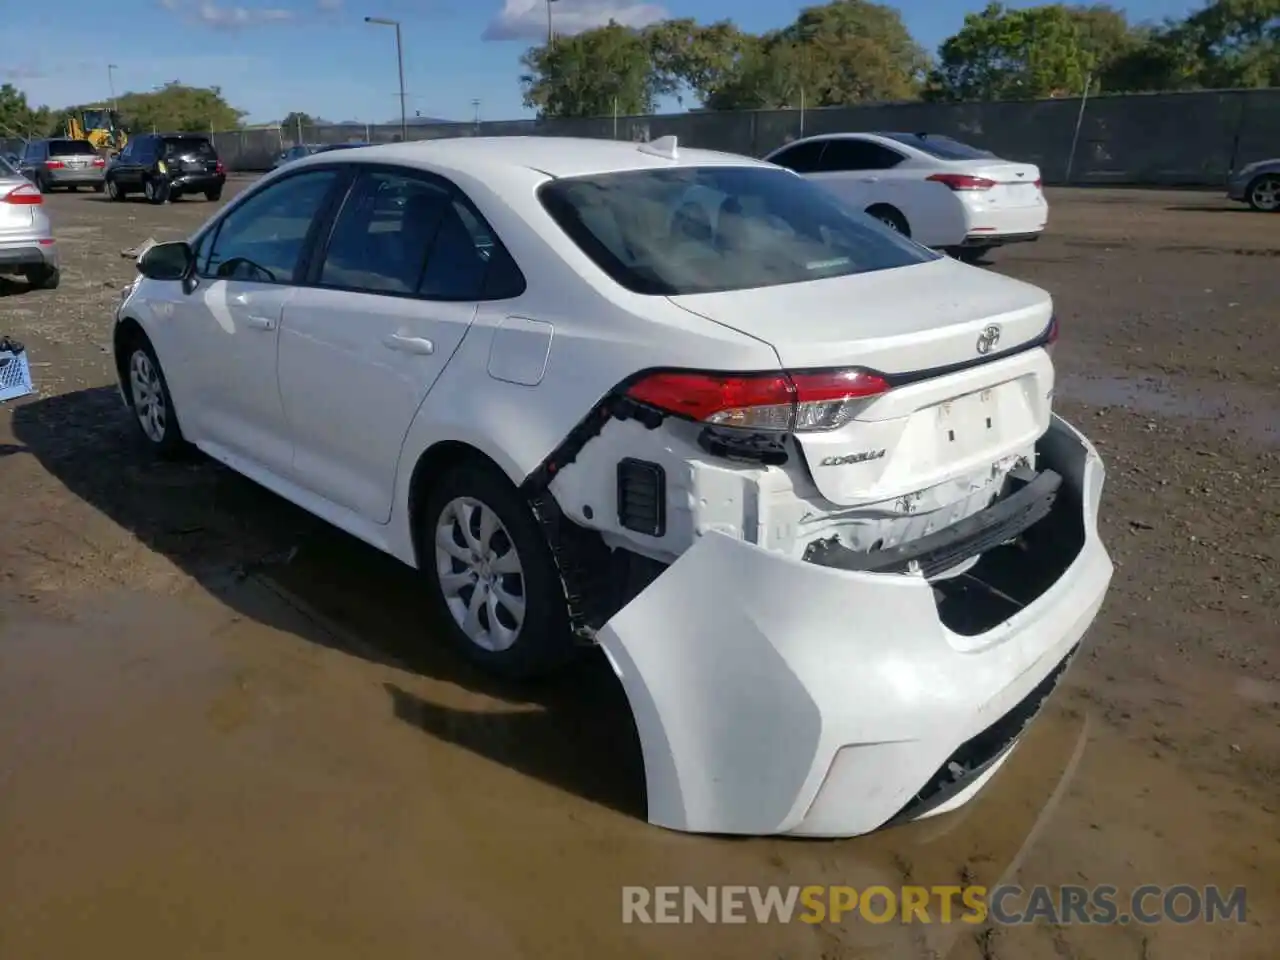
x: 12, y: 288
x: 243, y: 543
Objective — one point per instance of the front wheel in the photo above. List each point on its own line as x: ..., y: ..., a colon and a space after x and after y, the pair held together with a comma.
x: 151, y: 402
x: 494, y: 580
x: 891, y: 217
x: 1264, y: 193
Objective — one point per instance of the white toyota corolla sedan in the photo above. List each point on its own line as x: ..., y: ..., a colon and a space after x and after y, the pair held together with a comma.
x: 798, y: 476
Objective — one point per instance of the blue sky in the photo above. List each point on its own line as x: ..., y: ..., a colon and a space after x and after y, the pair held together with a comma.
x: 318, y: 56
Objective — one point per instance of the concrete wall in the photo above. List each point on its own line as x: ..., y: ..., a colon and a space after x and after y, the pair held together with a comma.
x: 1175, y: 139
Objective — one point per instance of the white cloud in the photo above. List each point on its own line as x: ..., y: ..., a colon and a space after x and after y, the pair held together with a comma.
x: 527, y: 19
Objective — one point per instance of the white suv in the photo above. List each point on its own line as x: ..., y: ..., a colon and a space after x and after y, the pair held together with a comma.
x: 797, y: 475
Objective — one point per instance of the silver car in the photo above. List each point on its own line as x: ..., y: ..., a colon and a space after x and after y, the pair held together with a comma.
x: 60, y: 162
x: 1258, y: 185
x: 27, y: 246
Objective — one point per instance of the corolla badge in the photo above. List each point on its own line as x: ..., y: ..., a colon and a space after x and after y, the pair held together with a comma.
x: 988, y: 339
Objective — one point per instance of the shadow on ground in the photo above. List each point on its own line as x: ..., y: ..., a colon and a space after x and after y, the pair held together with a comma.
x: 234, y: 537
x: 1211, y: 208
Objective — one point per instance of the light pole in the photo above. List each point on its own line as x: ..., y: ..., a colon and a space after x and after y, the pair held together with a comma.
x: 384, y: 22
x: 111, y: 83
x: 550, y: 35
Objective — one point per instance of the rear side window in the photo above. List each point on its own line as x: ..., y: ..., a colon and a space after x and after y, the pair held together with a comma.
x: 415, y: 236
x: 707, y: 229
x: 71, y: 148
x: 845, y: 154
x: 944, y: 148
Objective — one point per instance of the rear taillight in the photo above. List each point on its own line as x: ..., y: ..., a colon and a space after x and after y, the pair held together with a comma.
x: 962, y: 181
x: 1051, y: 335
x: 25, y: 195
x: 796, y: 401
x: 219, y: 168
x: 54, y: 164
x: 1039, y: 184
x: 99, y: 162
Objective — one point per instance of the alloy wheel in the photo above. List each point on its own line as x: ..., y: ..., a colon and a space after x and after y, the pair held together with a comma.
x: 1266, y: 193
x: 480, y: 574
x: 148, y: 396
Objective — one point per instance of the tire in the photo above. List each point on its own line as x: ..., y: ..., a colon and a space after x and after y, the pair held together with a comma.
x: 43, y: 278
x: 972, y: 255
x: 1263, y: 193
x: 114, y: 191
x: 145, y: 385
x: 523, y: 647
x: 214, y: 195
x: 42, y: 184
x: 891, y: 217
x: 156, y: 191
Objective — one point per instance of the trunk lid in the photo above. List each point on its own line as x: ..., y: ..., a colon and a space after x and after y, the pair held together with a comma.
x: 926, y: 327
x: 1017, y: 184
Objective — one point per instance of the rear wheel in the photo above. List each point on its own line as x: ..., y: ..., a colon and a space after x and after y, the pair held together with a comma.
x: 1264, y: 193
x: 114, y: 191
x: 494, y: 582
x: 151, y: 401
x: 891, y: 217
x: 156, y: 191
x: 43, y: 184
x: 43, y: 277
x: 214, y: 195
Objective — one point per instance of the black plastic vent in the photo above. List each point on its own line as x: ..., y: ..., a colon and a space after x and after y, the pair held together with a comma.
x: 642, y: 497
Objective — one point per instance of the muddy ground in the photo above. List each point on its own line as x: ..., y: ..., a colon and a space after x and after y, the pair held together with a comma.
x: 225, y: 732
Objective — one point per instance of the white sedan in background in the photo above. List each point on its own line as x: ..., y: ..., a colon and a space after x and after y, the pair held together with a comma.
x: 799, y: 477
x: 940, y: 192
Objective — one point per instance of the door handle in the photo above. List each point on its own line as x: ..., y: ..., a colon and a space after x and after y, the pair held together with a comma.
x: 260, y: 323
x: 404, y: 344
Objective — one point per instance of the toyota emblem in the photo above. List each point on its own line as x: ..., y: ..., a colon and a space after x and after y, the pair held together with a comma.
x: 988, y: 339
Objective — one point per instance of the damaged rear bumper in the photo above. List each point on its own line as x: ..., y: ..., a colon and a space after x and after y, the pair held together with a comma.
x: 778, y: 696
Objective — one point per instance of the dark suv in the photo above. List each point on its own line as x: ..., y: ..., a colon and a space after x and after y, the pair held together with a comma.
x: 62, y: 162
x: 166, y: 166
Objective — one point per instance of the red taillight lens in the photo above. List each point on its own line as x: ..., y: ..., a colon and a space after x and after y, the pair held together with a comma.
x: 796, y: 401
x: 219, y: 168
x: 1051, y: 336
x: 25, y: 195
x: 99, y: 162
x: 962, y: 181
x: 1039, y: 184
x: 54, y: 164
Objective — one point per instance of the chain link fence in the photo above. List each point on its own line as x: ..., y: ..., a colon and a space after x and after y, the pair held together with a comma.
x: 1174, y: 139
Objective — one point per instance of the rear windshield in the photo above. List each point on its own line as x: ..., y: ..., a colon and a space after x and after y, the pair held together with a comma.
x: 944, y: 148
x: 71, y: 148
x: 707, y: 229
x: 186, y: 146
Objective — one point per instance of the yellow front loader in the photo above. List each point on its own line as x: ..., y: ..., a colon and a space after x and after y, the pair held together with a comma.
x: 100, y: 127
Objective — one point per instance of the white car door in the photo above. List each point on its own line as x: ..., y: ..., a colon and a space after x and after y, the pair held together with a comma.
x: 364, y: 341
x: 228, y: 326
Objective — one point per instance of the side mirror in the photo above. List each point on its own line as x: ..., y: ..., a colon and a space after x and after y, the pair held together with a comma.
x: 167, y: 261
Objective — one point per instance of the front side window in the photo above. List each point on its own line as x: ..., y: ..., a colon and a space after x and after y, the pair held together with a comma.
x: 707, y: 229
x: 262, y: 239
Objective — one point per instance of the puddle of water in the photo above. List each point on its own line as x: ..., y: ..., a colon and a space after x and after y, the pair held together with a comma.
x: 1251, y: 413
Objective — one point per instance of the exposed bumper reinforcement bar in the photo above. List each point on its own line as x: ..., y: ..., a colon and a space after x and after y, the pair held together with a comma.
x: 951, y: 546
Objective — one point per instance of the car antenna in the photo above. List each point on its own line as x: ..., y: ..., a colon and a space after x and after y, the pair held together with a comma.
x: 665, y: 147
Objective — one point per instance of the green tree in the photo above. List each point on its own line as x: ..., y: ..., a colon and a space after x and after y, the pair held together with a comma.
x: 176, y: 107
x: 296, y: 121
x: 846, y: 51
x: 17, y: 117
x: 1230, y: 43
x: 1004, y: 53
x: 591, y: 74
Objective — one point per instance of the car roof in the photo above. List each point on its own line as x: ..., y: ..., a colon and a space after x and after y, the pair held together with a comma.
x: 551, y: 156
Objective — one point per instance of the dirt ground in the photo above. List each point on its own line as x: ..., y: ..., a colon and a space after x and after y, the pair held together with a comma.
x: 225, y: 731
